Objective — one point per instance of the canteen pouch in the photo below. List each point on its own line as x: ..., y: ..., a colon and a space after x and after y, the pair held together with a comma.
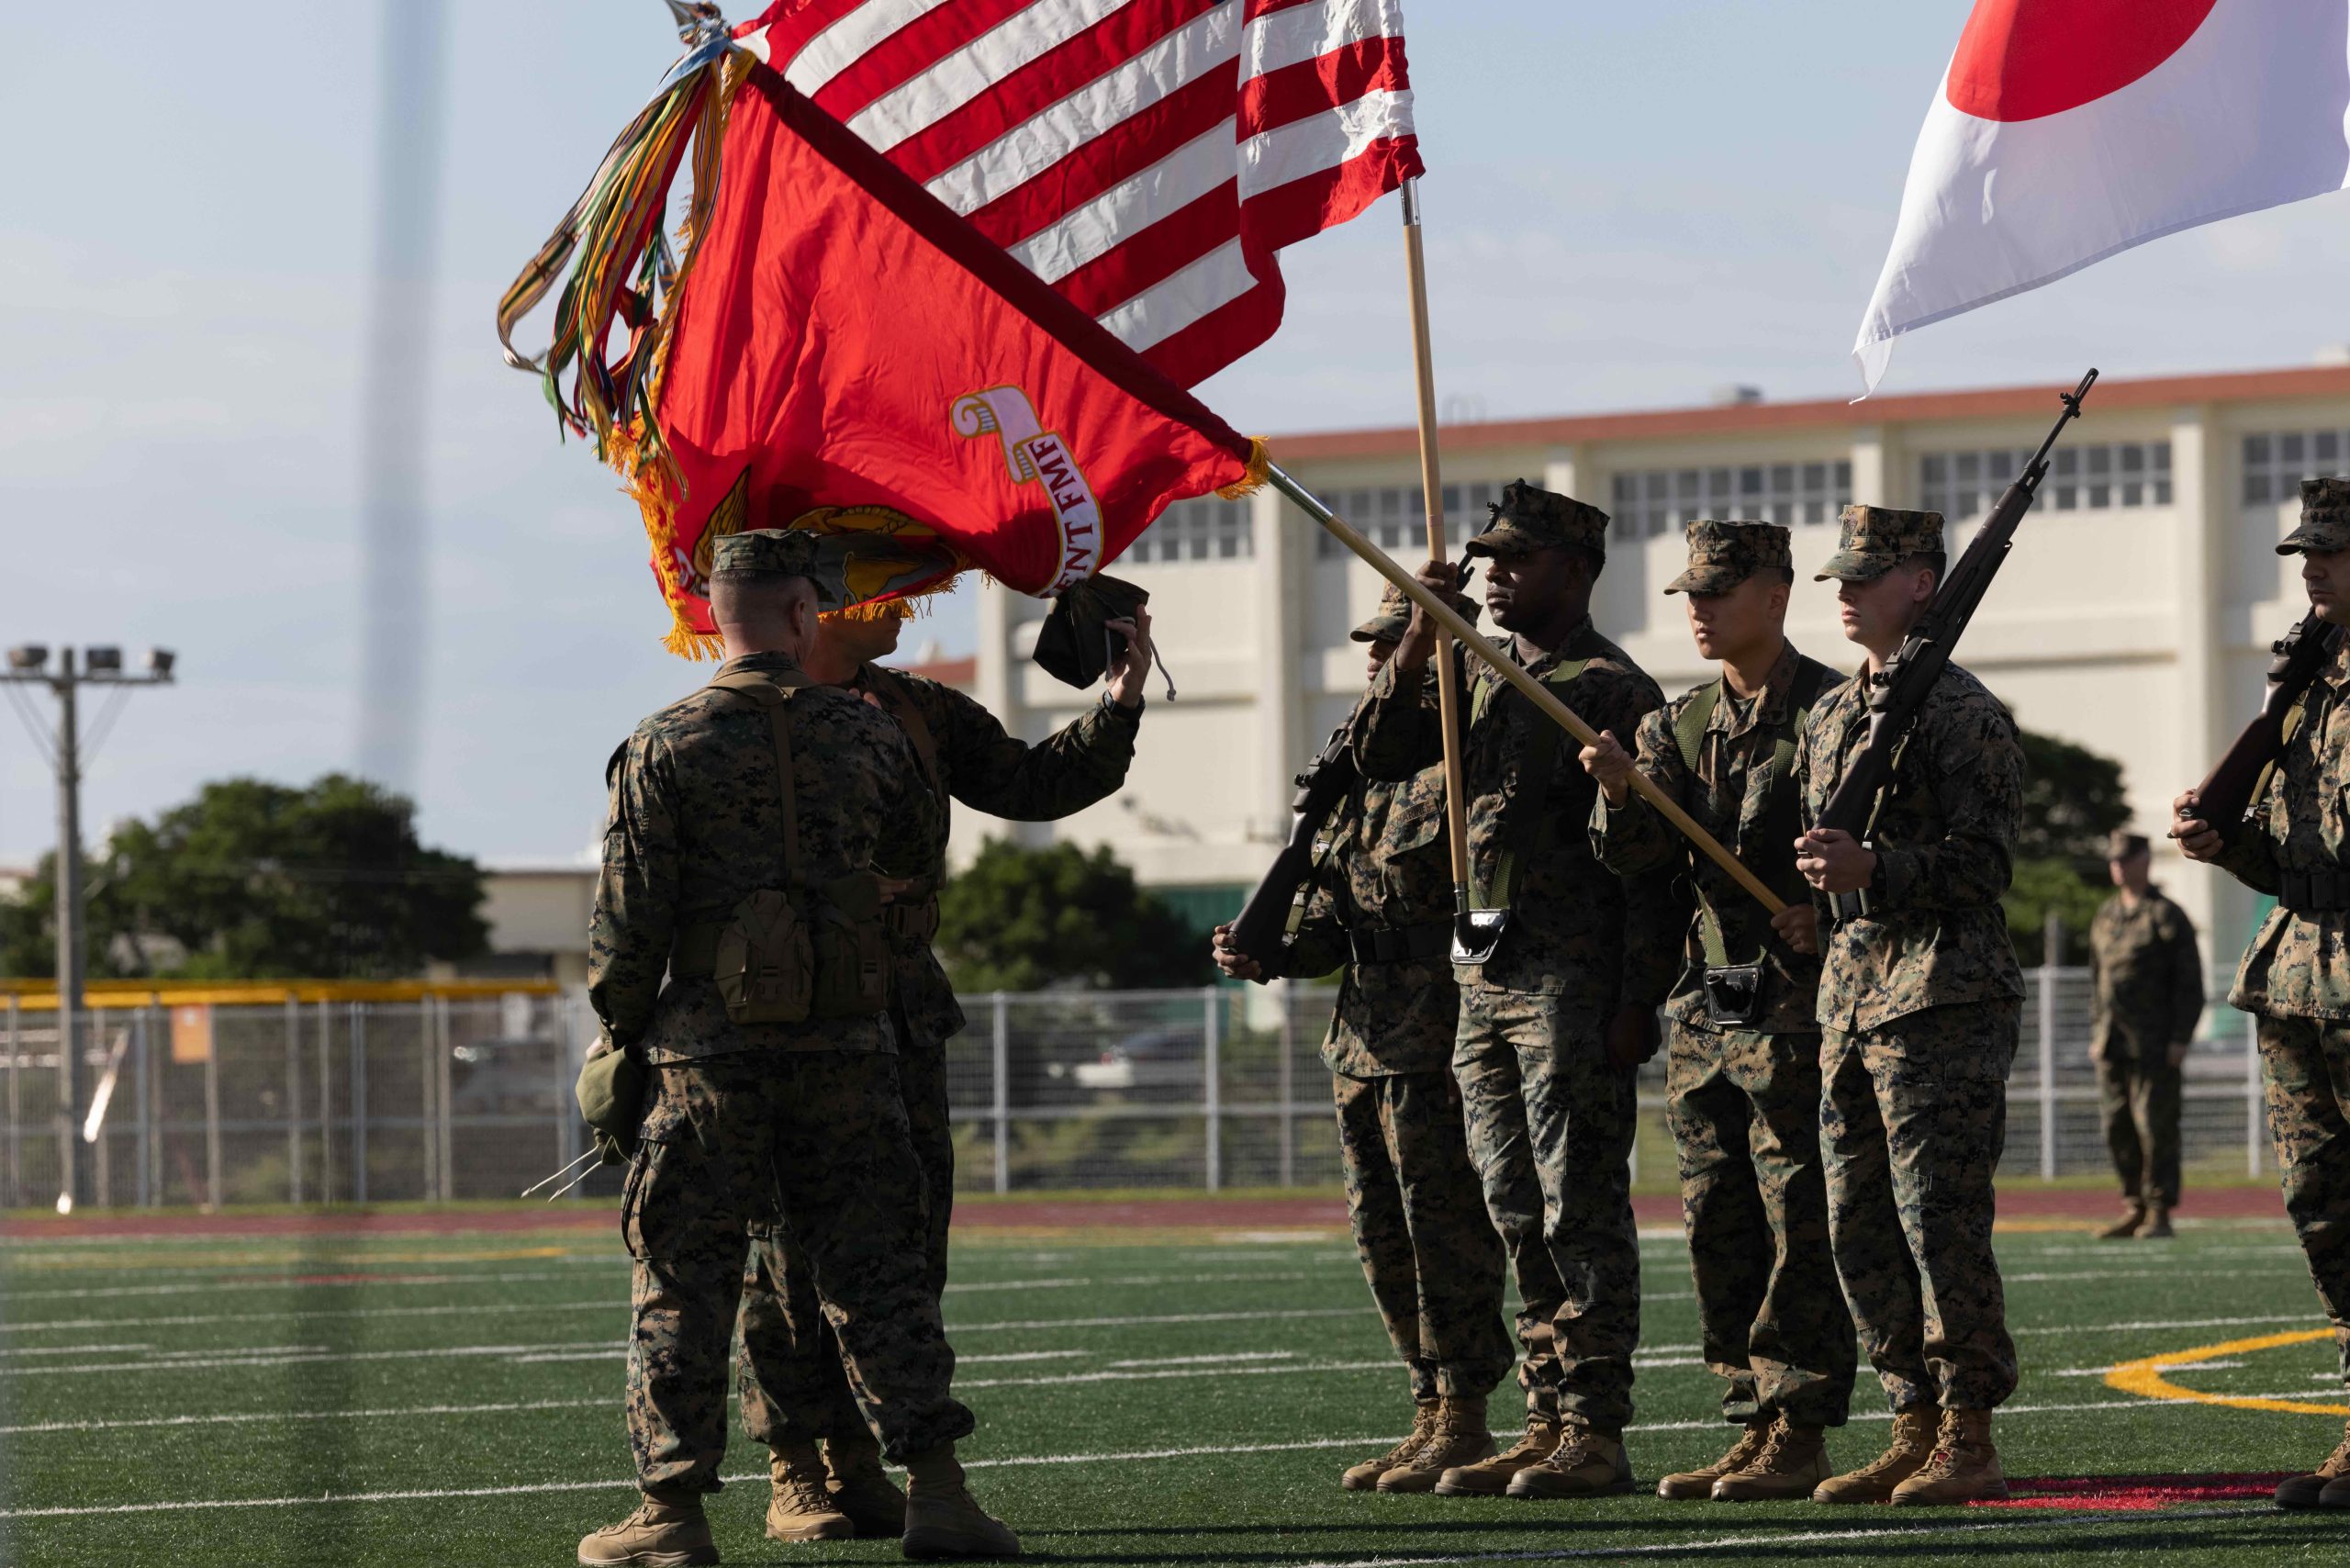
x: 1734, y: 994
x: 851, y: 949
x: 611, y: 1092
x: 766, y: 966
x: 1476, y: 932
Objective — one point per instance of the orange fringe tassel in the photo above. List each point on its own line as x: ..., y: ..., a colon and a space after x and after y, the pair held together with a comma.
x: 1260, y: 463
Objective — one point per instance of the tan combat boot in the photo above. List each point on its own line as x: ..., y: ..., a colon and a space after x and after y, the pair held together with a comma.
x: 1491, y: 1477
x: 2133, y: 1215
x: 1364, y: 1477
x: 1965, y: 1467
x: 2310, y: 1491
x: 1912, y: 1445
x: 800, y: 1507
x: 862, y: 1489
x: 1587, y: 1463
x: 1794, y: 1460
x: 943, y: 1519
x: 1684, y: 1484
x: 2157, y: 1225
x: 667, y: 1530
x: 1458, y: 1438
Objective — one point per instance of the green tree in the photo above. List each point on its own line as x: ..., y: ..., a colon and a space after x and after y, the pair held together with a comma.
x: 2071, y: 799
x: 253, y: 881
x: 1032, y: 918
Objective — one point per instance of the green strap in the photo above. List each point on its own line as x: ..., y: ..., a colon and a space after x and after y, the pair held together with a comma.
x: 773, y: 692
x: 1690, y: 729
x: 1522, y: 834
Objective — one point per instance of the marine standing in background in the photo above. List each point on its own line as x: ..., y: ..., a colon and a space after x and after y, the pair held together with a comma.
x: 794, y: 1385
x: 2146, y: 979
x: 740, y: 860
x: 1918, y: 1003
x: 1379, y: 906
x: 1561, y: 1014
x: 2295, y: 845
x: 1742, y: 1081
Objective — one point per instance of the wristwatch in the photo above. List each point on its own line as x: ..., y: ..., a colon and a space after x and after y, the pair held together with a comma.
x: 1111, y: 704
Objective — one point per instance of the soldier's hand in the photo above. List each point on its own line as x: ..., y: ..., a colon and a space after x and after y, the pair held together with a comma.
x: 1632, y: 1037
x: 1130, y: 676
x: 893, y: 887
x: 2198, y: 839
x: 2177, y: 1055
x: 1443, y: 579
x: 1611, y: 765
x: 1798, y: 928
x: 1834, y: 861
x: 1237, y: 965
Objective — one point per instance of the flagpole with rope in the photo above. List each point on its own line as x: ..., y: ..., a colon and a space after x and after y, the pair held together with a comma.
x: 1456, y: 799
x: 1451, y: 621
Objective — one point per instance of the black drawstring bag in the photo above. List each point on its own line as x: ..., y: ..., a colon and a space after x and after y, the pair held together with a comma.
x: 1076, y: 644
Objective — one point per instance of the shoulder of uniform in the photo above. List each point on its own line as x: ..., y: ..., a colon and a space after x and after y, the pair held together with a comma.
x: 1676, y: 706
x: 1961, y: 692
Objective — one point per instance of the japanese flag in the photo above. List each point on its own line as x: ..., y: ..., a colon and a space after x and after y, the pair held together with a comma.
x: 2067, y: 131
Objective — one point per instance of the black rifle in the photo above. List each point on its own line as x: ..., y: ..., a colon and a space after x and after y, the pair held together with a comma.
x: 1263, y: 921
x: 1899, y: 691
x: 2298, y: 656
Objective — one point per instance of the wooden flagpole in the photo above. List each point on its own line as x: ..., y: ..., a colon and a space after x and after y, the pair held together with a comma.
x: 1530, y: 688
x: 1456, y: 798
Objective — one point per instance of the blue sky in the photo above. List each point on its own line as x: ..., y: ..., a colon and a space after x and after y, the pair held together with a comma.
x: 1627, y: 206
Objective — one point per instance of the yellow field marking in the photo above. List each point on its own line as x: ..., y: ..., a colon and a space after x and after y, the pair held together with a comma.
x: 2144, y: 1377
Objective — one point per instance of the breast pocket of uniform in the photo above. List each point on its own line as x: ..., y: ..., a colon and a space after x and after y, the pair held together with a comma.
x: 1415, y: 826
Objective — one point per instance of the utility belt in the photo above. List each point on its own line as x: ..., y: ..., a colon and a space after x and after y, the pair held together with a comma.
x: 778, y: 962
x: 1401, y: 944
x: 912, y: 922
x: 2322, y: 892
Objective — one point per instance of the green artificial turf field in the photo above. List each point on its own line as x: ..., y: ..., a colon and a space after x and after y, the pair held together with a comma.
x: 455, y: 1399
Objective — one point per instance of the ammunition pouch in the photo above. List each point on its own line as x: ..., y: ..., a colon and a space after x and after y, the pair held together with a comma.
x: 2322, y: 892
x: 852, y: 952
x: 1397, y: 945
x: 1477, y: 933
x: 774, y: 963
x: 764, y: 962
x: 1733, y: 994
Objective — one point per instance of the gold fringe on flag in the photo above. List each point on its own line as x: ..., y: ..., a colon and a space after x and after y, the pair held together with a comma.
x: 1261, y: 464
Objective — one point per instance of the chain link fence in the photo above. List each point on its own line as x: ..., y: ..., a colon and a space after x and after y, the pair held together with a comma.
x: 446, y: 1100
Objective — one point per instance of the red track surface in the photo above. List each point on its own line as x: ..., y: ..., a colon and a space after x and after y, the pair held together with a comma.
x: 1012, y: 1215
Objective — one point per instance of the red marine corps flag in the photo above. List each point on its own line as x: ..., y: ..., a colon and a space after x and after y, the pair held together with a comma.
x: 2066, y: 130
x: 945, y: 265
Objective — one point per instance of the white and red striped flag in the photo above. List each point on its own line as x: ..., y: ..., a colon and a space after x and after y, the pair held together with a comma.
x: 1146, y: 158
x: 2067, y: 131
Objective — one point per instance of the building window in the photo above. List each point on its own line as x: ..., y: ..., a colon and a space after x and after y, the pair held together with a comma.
x: 2276, y: 462
x: 1659, y: 500
x: 1208, y: 529
x: 1962, y: 485
x: 1394, y: 517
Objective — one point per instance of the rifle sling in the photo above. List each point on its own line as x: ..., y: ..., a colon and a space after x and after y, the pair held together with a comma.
x: 1811, y: 681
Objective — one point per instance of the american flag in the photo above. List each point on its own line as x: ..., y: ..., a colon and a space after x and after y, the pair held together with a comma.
x: 1145, y: 157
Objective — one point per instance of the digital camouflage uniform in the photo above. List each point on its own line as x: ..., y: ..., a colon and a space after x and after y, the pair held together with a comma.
x: 1383, y: 879
x: 2296, y: 974
x: 1919, y: 1005
x: 792, y: 1378
x: 2146, y: 981
x: 1550, y: 1120
x: 758, y: 1124
x: 1744, y: 1100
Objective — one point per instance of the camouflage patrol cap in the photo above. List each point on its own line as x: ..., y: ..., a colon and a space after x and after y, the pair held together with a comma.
x: 778, y: 552
x: 1395, y: 615
x: 1875, y: 540
x: 2325, y: 519
x: 1527, y: 519
x: 1724, y: 555
x: 2123, y: 845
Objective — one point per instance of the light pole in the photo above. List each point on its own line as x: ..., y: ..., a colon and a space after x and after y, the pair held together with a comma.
x: 29, y: 664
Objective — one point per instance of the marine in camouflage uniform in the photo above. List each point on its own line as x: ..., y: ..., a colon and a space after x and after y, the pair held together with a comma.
x: 1574, y: 983
x: 1918, y: 1003
x: 791, y: 1376
x: 2146, y: 987
x: 2295, y: 846
x: 1379, y: 908
x: 1742, y: 1076
x: 756, y: 1124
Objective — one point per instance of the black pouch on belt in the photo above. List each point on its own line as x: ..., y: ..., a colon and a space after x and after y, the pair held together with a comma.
x: 1733, y: 994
